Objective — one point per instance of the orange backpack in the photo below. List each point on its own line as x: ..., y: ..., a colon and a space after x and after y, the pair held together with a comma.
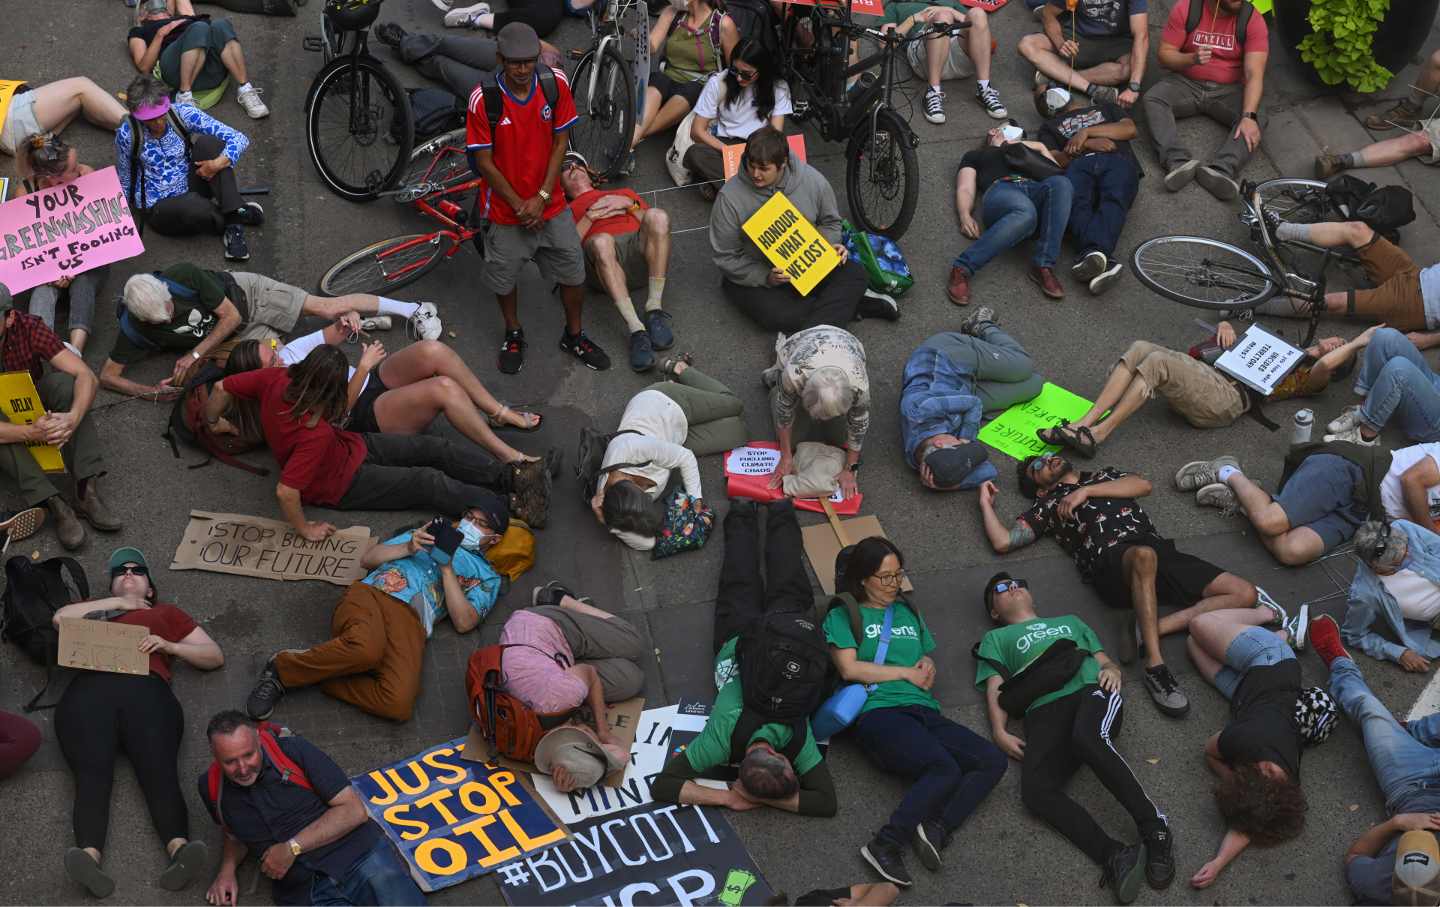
x: 511, y: 727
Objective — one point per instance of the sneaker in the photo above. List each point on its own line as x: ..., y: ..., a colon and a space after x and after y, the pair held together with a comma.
x: 930, y: 840
x: 68, y: 528
x: 376, y: 323
x: 1180, y: 177
x: 878, y: 305
x: 1106, y: 278
x: 1045, y: 279
x: 1104, y: 94
x: 1349, y: 418
x: 250, y: 214
x: 390, y: 33
x: 443, y: 5
x: 266, y: 694
x: 1198, y: 473
x: 1217, y: 184
x: 628, y: 168
x: 959, y: 287
x: 584, y: 349
x: 657, y: 323
x: 935, y: 105
x: 512, y: 352
x: 1327, y: 165
x: 887, y: 860
x: 249, y: 99
x: 1041, y: 79
x: 1404, y: 115
x: 1325, y: 639
x: 989, y: 98
x: 1354, y: 436
x: 1089, y: 266
x: 189, y: 861
x: 1127, y: 639
x: 1124, y: 870
x: 466, y: 16
x: 425, y: 324
x: 552, y: 593
x: 16, y: 527
x: 1164, y: 689
x: 1299, y: 628
x: 85, y: 872
x: 184, y: 99
x: 1220, y: 497
x: 236, y: 248
x: 1160, y: 857
x: 976, y: 321
x: 642, y: 352
x: 1278, y: 614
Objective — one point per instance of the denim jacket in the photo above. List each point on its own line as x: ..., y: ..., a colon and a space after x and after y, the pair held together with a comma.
x: 1370, y: 599
x: 937, y: 398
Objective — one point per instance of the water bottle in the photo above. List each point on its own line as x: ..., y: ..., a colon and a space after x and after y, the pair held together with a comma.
x: 1304, y: 422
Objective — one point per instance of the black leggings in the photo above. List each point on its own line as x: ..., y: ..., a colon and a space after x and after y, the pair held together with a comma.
x: 102, y: 715
x: 743, y: 598
x: 542, y: 15
x: 208, y: 206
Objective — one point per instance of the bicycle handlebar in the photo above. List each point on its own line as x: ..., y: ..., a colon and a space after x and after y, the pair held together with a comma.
x: 924, y: 31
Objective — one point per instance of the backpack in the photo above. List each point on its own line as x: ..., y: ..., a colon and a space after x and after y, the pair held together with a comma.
x: 290, y: 771
x: 1242, y: 21
x: 495, y: 101
x: 784, y: 665
x: 1384, y: 208
x: 1047, y: 673
x: 435, y: 110
x: 187, y: 423
x: 713, y: 33
x: 34, y: 591
x: 509, y: 726
x: 886, y: 270
x: 588, y: 470
x: 137, y: 173
x: 756, y: 19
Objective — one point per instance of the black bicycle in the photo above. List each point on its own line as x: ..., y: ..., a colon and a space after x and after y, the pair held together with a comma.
x: 358, y: 123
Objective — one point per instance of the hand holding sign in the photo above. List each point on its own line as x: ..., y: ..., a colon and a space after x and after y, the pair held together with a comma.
x: 792, y: 244
x: 66, y: 230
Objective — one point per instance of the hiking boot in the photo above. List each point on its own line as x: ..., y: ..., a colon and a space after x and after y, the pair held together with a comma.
x: 976, y: 321
x: 1325, y: 639
x: 68, y: 528
x: 512, y: 352
x: 19, y: 526
x: 85, y: 872
x: 1127, y: 644
x: 249, y: 98
x: 250, y: 214
x: 1124, y: 870
x: 1165, y: 690
x: 189, y: 861
x: 376, y: 323
x: 1198, y: 473
x: 930, y: 840
x: 390, y: 33
x: 1327, y: 165
x: 236, y: 248
x: 878, y: 305
x: 959, y: 287
x: 1089, y: 266
x: 642, y: 352
x: 584, y: 349
x: 1180, y: 176
x: 989, y: 98
x: 1349, y: 418
x: 1045, y: 279
x: 887, y: 860
x: 530, y: 495
x: 93, y: 509
x: 1160, y: 857
x: 266, y: 694
x: 1104, y: 94
x: 657, y: 323
x: 1298, y: 628
x: 1354, y: 436
x: 425, y: 324
x: 935, y: 105
x: 1106, y: 278
x: 1219, y: 496
x: 1404, y: 115
x: 1217, y: 184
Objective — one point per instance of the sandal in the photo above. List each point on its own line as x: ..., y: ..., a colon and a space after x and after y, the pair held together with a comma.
x: 1078, y: 439
x: 667, y: 368
x: 498, y: 419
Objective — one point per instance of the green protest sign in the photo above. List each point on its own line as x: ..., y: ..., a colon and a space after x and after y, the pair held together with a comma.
x: 1013, y: 431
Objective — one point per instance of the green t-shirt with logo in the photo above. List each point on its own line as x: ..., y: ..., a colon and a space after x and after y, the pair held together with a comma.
x: 910, y: 640
x: 712, y: 747
x: 1019, y: 644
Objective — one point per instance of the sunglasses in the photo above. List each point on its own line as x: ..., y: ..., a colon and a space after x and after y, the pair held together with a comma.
x: 1039, y: 462
x: 1006, y: 585
x: 135, y: 569
x: 746, y: 75
x: 1383, y: 541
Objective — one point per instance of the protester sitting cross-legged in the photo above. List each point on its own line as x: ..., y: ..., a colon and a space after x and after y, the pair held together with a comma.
x: 191, y: 53
x: 777, y: 767
x: 820, y: 391
x: 664, y: 427
x: 1397, y: 588
x: 314, y: 840
x: 1092, y: 47
x: 1097, y: 521
x: 1257, y: 754
x: 103, y: 714
x: 1397, y: 384
x: 49, y: 108
x: 690, y: 41
x: 382, y: 623
x: 327, y: 466
x: 1068, y: 726
x: 747, y: 278
x: 747, y: 95
x: 900, y: 726
x: 192, y: 310
x: 627, y: 244
x: 943, y: 57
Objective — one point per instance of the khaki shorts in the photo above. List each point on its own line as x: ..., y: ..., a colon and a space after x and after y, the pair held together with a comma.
x: 20, y: 122
x: 1396, y: 298
x: 273, y: 307
x: 630, y: 251
x: 1200, y: 394
x: 555, y: 248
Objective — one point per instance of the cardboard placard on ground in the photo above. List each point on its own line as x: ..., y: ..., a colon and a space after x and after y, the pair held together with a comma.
x: 21, y: 404
x: 730, y: 157
x: 254, y: 546
x: 624, y: 718
x: 823, y: 541
x: 1013, y: 431
x: 100, y: 645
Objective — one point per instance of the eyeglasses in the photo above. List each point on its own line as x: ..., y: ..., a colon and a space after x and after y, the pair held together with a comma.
x: 47, y: 148
x: 1005, y: 585
x: 135, y: 569
x: 892, y: 580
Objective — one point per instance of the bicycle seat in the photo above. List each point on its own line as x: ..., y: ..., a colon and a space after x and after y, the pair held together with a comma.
x: 352, y: 15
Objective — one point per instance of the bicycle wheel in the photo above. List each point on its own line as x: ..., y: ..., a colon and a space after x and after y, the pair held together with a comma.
x: 882, y: 175
x: 1296, y: 201
x: 605, y: 102
x: 387, y: 265
x: 359, y: 128
x: 1204, y: 273
x: 440, y: 161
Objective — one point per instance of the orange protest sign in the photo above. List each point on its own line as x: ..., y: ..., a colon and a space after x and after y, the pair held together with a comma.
x: 732, y: 153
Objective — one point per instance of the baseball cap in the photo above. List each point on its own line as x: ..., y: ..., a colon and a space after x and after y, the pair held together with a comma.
x: 497, y: 513
x: 517, y: 41
x: 950, y: 465
x: 1416, y: 879
x: 123, y: 556
x: 579, y: 751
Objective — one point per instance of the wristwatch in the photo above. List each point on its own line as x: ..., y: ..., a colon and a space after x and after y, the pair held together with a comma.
x: 194, y: 355
x: 544, y: 193
x: 295, y: 848
x: 855, y: 467
x: 1251, y: 115
x: 1135, y: 87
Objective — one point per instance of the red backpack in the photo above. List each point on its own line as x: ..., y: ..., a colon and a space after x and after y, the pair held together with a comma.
x: 511, y: 727
x: 289, y: 770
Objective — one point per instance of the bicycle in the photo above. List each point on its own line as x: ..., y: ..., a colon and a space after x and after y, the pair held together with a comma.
x: 1218, y: 276
x: 881, y: 166
x: 609, y: 87
x: 358, y: 125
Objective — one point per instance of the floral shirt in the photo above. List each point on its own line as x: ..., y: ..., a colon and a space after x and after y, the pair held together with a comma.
x: 164, y: 160
x: 415, y: 580
x: 800, y: 354
x: 1097, y: 525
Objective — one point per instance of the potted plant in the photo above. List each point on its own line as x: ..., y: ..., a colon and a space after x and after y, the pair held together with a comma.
x: 1357, y: 43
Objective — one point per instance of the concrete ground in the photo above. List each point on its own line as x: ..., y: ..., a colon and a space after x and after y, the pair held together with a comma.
x: 1002, y: 855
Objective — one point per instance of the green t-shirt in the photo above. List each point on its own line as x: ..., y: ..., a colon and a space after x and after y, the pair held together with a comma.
x: 910, y: 639
x: 193, y: 320
x: 1019, y: 644
x: 712, y: 747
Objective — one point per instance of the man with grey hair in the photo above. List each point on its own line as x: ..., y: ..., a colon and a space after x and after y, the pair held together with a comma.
x: 191, y: 310
x: 819, y: 376
x: 1397, y: 582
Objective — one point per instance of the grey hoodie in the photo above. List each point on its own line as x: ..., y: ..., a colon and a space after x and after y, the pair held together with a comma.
x: 740, y: 261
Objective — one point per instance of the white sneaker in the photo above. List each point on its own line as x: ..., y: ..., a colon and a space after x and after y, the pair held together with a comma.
x: 466, y: 16
x: 443, y: 5
x: 375, y: 323
x: 184, y: 99
x: 1218, y: 496
x: 250, y: 100
x: 1349, y: 418
x: 1299, y: 628
x: 935, y: 105
x: 1352, y: 434
x: 425, y: 323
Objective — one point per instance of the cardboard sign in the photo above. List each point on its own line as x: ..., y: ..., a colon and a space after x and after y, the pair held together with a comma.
x: 822, y: 542
x: 732, y: 153
x: 791, y: 243
x: 1013, y: 431
x: 656, y: 854
x: 4, y: 188
x: 100, y: 645
x: 254, y: 546
x: 857, y: 7
x: 741, y: 481
x: 7, y: 94
x: 454, y: 820
x: 66, y: 230
x: 1259, y: 360
x: 623, y: 718
x: 21, y: 404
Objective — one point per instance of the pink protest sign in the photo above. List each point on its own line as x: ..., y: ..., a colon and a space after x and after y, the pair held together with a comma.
x: 66, y: 230
x: 857, y: 7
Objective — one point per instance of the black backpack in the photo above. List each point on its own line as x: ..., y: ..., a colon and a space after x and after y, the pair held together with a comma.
x: 495, y: 102
x: 784, y: 666
x: 756, y: 19
x: 34, y: 591
x: 1242, y: 21
x: 1384, y: 208
x: 435, y: 111
x: 588, y: 468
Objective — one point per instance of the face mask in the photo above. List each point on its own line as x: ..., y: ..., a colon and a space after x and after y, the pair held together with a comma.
x: 471, y: 535
x: 1012, y: 133
x: 1056, y: 98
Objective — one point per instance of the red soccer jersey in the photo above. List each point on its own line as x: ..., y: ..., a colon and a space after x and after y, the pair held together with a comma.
x: 522, y: 144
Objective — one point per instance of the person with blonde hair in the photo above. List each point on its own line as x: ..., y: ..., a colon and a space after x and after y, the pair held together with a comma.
x: 819, y: 376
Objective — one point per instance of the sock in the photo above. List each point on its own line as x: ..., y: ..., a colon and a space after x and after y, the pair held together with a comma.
x: 1225, y: 472
x: 626, y: 308
x: 1288, y: 231
x: 396, y: 307
x: 246, y: 87
x: 657, y: 290
x: 982, y: 84
x: 1351, y: 159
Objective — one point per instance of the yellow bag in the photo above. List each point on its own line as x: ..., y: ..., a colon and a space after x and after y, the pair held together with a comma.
x: 515, y: 552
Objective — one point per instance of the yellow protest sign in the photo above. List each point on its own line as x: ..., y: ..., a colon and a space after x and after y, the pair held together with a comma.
x: 791, y: 243
x: 7, y: 92
x: 21, y: 404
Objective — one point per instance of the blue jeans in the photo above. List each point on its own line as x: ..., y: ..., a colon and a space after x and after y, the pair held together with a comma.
x: 1398, y: 382
x: 1256, y: 647
x: 1011, y: 212
x: 380, y: 877
x: 1105, y: 188
x: 953, y: 768
x: 1406, y: 766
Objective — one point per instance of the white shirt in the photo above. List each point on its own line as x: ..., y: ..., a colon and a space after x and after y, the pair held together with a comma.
x: 738, y: 120
x: 1392, y: 497
x: 296, y: 350
x: 662, y: 428
x: 1419, y: 598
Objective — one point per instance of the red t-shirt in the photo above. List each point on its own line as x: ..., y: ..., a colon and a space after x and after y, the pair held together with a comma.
x: 165, y: 621
x: 1217, y: 29
x: 525, y: 137
x: 618, y: 224
x: 320, y: 462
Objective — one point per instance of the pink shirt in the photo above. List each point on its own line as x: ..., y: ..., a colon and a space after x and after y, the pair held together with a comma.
x: 1226, y: 64
x: 534, y: 674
